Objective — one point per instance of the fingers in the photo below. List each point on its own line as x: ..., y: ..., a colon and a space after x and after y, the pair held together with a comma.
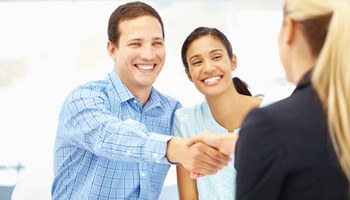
x: 228, y: 145
x: 192, y: 140
x: 202, y: 137
x: 195, y: 175
x: 206, y: 160
x: 215, y: 157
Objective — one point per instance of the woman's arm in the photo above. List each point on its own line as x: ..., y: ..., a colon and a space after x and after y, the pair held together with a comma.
x: 187, y: 187
x: 225, y: 143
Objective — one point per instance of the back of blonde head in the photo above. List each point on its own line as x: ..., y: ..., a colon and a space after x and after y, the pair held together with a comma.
x: 331, y: 76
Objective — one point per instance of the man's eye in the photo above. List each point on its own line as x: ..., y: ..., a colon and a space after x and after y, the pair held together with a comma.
x: 158, y: 44
x: 135, y: 44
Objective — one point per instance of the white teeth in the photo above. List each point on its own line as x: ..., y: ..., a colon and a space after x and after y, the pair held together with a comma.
x: 145, y: 67
x: 212, y: 79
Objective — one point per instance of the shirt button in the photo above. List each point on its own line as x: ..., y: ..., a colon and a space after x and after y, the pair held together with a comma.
x: 155, y: 155
x: 135, y: 101
x: 128, y: 152
x: 143, y: 174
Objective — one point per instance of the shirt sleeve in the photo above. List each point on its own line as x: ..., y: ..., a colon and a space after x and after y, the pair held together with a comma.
x: 86, y: 122
x: 258, y: 159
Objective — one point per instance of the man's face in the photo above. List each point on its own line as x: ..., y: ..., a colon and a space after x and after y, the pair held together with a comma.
x: 140, y: 54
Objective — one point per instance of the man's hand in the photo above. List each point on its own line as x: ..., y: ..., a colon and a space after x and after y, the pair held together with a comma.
x: 225, y: 143
x: 198, y: 157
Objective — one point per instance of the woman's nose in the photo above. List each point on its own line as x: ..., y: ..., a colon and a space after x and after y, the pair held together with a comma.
x: 208, y: 66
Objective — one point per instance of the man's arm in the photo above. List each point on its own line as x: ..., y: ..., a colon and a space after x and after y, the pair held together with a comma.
x: 87, y: 123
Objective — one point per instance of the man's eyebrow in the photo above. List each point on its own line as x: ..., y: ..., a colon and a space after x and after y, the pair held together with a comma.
x: 158, y: 38
x: 135, y: 40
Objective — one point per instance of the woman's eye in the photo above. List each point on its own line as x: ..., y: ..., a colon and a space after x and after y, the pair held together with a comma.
x: 216, y: 57
x: 196, y: 62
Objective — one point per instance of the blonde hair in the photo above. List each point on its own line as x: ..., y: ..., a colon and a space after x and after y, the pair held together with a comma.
x: 331, y: 75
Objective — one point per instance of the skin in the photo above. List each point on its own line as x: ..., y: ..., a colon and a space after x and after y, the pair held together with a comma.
x: 138, y: 59
x: 207, y: 59
x: 295, y: 53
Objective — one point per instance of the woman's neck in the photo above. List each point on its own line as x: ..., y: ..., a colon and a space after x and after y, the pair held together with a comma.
x: 230, y: 108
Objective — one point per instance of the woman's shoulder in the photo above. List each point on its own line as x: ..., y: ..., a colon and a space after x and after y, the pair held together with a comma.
x: 263, y: 100
x: 189, y: 120
x: 191, y: 111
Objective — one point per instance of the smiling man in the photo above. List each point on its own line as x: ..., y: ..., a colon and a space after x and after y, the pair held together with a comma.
x: 114, y: 138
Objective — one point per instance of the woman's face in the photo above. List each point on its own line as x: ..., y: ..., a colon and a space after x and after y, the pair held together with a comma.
x: 210, y: 67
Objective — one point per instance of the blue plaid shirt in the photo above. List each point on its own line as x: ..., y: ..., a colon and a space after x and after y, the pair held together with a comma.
x: 108, y: 146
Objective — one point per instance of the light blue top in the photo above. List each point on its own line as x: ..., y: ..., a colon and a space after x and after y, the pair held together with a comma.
x: 110, y: 147
x: 192, y: 121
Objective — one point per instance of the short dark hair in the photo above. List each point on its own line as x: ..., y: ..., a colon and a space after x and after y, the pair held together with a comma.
x: 129, y: 11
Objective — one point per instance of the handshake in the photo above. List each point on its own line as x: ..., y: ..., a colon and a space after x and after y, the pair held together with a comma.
x: 203, y: 154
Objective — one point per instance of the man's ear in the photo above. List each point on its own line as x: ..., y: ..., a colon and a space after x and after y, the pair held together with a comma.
x: 233, y: 62
x: 111, y: 49
x: 189, y: 75
x: 290, y: 30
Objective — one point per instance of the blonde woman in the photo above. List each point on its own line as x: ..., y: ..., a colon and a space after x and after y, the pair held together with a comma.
x: 299, y: 148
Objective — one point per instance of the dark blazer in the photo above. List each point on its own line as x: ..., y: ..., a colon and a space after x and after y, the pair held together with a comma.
x: 284, y: 152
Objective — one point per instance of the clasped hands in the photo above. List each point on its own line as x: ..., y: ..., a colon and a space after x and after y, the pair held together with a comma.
x: 203, y: 154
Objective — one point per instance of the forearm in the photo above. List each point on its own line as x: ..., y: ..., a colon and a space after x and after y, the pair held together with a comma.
x: 187, y: 187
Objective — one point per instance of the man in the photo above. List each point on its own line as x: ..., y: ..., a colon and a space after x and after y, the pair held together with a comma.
x: 114, y: 137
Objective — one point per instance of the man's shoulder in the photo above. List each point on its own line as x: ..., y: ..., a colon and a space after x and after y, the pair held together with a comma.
x: 89, y: 89
x: 167, y: 100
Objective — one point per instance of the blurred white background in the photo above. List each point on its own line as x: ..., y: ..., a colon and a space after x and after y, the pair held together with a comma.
x: 49, y: 47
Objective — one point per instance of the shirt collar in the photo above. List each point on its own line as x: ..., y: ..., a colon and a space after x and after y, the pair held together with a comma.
x: 119, y: 89
x: 123, y: 94
x: 305, y: 80
x: 154, y: 99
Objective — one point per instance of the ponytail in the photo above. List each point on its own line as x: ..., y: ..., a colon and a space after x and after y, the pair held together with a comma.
x: 331, y: 80
x: 241, y: 86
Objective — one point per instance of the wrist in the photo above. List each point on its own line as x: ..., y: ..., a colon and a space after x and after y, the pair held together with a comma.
x: 228, y: 143
x: 174, y: 148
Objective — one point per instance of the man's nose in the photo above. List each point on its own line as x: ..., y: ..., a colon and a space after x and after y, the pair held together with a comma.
x: 148, y: 52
